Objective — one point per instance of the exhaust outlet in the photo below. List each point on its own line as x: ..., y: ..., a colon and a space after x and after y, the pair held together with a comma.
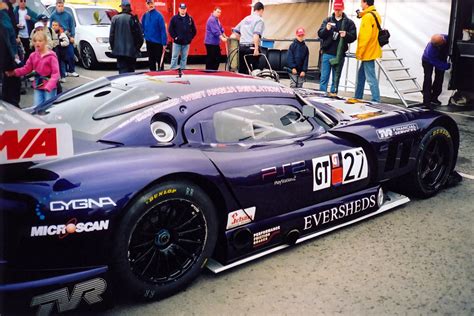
x: 242, y: 238
x: 292, y: 236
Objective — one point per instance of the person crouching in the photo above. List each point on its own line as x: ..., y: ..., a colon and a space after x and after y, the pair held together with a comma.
x: 44, y: 64
x: 297, y: 59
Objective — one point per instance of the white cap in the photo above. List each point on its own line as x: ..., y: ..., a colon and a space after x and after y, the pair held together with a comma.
x: 39, y: 24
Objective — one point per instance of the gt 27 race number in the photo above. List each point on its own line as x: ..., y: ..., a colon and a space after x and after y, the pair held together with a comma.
x: 354, y: 165
x: 327, y: 171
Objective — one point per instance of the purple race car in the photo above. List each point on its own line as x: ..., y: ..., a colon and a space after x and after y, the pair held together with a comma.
x: 173, y: 172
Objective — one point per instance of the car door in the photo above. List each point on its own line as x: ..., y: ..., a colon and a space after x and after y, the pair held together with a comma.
x: 276, y: 161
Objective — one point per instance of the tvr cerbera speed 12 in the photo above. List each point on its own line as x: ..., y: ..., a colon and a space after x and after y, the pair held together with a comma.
x: 173, y: 172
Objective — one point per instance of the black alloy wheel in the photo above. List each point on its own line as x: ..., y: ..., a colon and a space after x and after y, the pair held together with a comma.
x: 88, y: 59
x: 167, y: 241
x: 164, y: 240
x: 434, y: 164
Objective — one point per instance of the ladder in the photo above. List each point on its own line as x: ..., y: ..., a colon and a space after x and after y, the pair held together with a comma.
x: 397, y: 73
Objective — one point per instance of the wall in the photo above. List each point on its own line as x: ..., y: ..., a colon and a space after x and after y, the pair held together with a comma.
x: 410, y: 22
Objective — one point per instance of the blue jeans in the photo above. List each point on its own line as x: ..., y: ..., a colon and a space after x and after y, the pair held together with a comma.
x: 177, y: 50
x: 39, y: 96
x: 325, y: 72
x: 70, y: 62
x: 367, y: 69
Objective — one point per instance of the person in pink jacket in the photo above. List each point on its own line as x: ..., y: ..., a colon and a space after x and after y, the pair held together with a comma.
x: 44, y: 64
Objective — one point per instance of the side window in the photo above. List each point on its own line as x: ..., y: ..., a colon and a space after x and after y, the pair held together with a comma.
x: 259, y: 122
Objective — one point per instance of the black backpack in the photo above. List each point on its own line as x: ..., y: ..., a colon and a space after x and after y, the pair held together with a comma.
x: 384, y: 34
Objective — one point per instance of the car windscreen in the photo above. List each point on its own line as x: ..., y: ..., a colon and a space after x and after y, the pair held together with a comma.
x: 93, y: 16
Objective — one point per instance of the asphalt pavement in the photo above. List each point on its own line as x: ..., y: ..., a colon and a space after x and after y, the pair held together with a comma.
x: 414, y: 260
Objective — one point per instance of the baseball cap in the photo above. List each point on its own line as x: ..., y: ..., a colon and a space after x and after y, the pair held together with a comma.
x: 39, y: 24
x: 300, y: 31
x: 182, y: 6
x: 42, y: 17
x: 124, y: 3
x: 339, y: 5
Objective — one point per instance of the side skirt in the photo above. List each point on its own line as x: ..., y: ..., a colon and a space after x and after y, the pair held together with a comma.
x: 393, y: 200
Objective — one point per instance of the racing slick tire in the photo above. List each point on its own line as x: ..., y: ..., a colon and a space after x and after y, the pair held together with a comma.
x: 434, y: 163
x: 164, y: 240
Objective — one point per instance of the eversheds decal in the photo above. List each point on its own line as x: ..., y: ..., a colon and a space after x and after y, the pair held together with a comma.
x: 240, y: 217
x: 338, y: 212
x: 71, y: 227
x: 340, y: 168
x: 90, y: 291
x: 389, y: 132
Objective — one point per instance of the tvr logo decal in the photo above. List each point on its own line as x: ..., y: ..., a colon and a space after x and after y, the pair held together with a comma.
x: 90, y: 291
x: 36, y: 143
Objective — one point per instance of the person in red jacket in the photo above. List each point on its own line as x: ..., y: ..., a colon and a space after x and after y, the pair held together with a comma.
x: 44, y: 64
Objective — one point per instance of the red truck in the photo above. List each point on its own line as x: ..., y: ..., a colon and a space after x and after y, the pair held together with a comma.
x: 233, y: 11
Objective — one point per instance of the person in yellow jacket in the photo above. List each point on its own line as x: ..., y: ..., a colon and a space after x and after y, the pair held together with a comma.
x: 368, y: 49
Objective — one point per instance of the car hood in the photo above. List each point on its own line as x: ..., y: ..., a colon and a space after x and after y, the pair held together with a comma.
x: 93, y: 30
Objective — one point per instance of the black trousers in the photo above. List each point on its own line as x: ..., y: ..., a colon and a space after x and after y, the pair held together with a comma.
x: 212, y: 57
x: 126, y: 64
x: 431, y: 89
x: 26, y: 45
x: 11, y: 88
x: 154, y: 55
x: 251, y: 60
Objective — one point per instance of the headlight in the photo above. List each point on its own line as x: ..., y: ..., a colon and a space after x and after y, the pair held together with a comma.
x: 104, y: 40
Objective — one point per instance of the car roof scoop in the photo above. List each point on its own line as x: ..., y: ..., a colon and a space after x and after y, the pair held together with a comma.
x: 133, y: 99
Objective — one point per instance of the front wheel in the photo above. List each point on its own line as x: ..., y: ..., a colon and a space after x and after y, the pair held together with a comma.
x: 164, y: 240
x: 434, y: 163
x: 88, y: 59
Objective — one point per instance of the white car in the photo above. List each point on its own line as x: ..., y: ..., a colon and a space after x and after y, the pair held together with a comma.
x: 92, y: 34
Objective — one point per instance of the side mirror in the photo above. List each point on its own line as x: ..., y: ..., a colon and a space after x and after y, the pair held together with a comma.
x: 309, y: 111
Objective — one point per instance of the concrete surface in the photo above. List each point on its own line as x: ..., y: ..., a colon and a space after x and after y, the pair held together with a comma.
x: 415, y: 260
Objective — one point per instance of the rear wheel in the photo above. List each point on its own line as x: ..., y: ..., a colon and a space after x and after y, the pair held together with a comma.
x: 88, y: 59
x: 164, y: 240
x: 434, y: 163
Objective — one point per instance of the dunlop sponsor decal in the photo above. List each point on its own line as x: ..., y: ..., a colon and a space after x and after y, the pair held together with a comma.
x: 159, y: 194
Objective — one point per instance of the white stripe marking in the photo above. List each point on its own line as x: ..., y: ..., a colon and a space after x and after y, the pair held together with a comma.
x: 85, y: 77
x: 467, y: 176
x: 459, y: 114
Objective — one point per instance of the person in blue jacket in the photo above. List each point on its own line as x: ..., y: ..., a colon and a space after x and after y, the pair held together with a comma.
x: 434, y: 58
x: 297, y: 59
x: 154, y: 29
x: 8, y: 57
x: 182, y: 30
x: 66, y: 20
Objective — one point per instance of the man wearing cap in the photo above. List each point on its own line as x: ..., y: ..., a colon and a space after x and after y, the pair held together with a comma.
x: 25, y: 21
x: 368, y: 50
x: 214, y: 36
x: 249, y: 32
x: 67, y: 22
x: 154, y: 30
x: 126, y: 38
x: 336, y: 32
x: 182, y: 30
x: 297, y: 59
